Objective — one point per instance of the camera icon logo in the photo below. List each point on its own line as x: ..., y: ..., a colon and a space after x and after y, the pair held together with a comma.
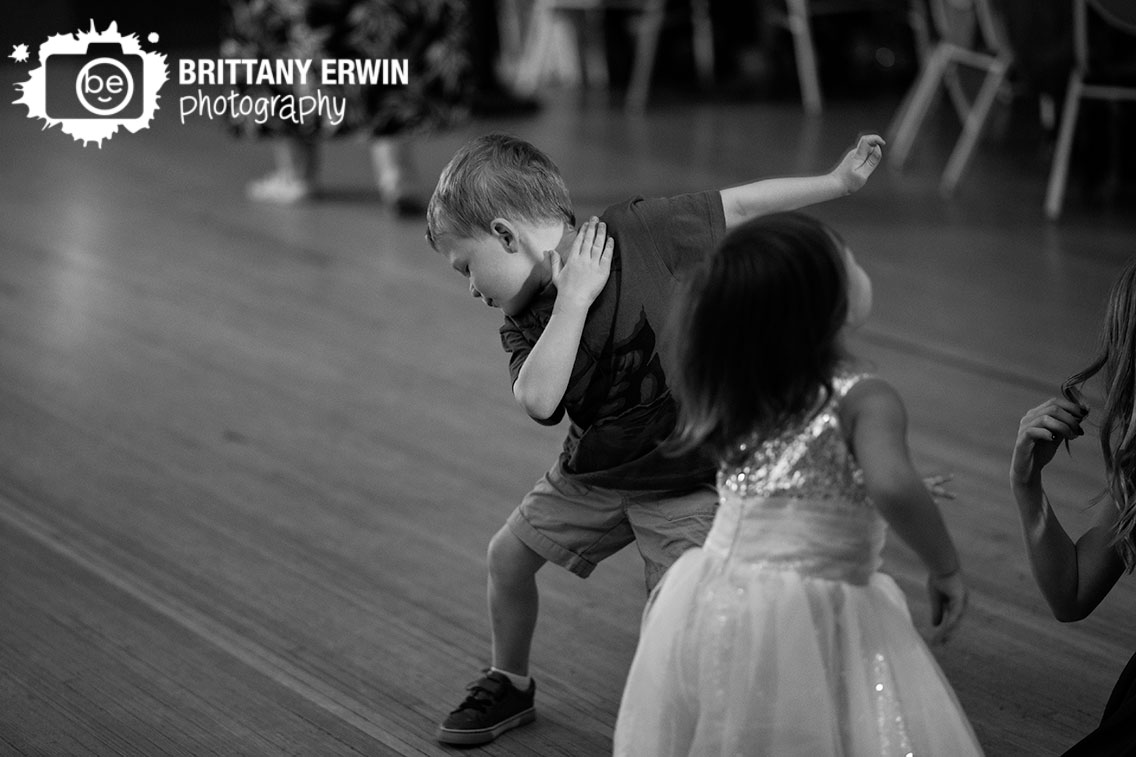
x: 92, y: 83
x: 103, y: 83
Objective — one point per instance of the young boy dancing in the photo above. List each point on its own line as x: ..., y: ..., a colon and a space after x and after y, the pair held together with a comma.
x: 584, y: 310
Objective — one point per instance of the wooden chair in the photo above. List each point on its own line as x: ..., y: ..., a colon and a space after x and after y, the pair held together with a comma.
x: 550, y: 19
x: 797, y: 19
x: 967, y: 34
x: 1088, y: 80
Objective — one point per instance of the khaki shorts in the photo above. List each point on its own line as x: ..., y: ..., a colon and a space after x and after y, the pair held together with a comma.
x: 576, y: 526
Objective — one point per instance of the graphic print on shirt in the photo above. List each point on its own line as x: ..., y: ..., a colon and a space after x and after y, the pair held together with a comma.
x: 636, y: 371
x: 636, y: 411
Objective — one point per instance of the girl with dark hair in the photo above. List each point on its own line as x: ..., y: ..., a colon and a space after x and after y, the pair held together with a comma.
x: 779, y: 636
x: 1076, y: 576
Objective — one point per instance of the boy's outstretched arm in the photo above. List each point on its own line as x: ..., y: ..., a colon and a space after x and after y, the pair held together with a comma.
x: 766, y: 196
x: 579, y: 279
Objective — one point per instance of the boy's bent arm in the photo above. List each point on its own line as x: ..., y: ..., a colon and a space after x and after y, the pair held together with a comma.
x: 544, y: 377
x: 767, y: 196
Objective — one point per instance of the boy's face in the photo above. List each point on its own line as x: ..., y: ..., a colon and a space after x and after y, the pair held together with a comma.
x: 501, y: 274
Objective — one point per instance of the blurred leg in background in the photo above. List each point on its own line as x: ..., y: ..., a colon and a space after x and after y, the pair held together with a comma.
x: 434, y: 36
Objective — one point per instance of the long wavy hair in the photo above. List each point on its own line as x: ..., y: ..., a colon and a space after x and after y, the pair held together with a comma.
x: 1116, y: 357
x: 755, y: 334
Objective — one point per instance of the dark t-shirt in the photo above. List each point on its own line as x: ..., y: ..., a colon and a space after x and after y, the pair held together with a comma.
x: 618, y: 400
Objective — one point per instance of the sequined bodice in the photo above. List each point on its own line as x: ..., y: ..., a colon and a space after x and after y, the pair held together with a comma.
x: 798, y: 502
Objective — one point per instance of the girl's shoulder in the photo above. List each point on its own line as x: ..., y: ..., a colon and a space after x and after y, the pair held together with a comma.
x: 862, y: 394
x: 844, y: 381
x: 853, y: 387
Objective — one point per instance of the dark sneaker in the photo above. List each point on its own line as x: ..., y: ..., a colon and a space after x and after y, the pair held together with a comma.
x: 494, y: 705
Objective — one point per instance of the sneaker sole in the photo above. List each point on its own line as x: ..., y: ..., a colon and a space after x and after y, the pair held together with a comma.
x: 485, y: 735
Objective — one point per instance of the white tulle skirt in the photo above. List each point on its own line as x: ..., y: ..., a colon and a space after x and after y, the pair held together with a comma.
x: 736, y: 658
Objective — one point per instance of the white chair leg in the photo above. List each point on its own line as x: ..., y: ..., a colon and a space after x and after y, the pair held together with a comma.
x: 920, y: 29
x: 590, y: 49
x: 703, y: 41
x: 972, y: 128
x: 538, y: 43
x: 901, y: 135
x: 646, y: 45
x: 563, y: 63
x: 1059, y: 172
x: 807, y: 74
x: 917, y: 19
x: 953, y: 85
x: 509, y: 25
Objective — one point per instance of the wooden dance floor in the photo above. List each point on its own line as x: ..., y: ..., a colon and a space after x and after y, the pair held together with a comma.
x: 251, y: 456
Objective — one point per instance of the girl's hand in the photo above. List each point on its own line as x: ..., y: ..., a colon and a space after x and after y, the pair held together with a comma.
x: 859, y: 163
x: 1040, y: 433
x: 948, y: 602
x: 581, y: 276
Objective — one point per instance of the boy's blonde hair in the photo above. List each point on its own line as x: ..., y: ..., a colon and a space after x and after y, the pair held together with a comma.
x: 496, y: 176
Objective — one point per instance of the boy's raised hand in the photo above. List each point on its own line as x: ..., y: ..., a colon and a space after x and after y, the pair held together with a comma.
x: 859, y: 162
x: 580, y: 276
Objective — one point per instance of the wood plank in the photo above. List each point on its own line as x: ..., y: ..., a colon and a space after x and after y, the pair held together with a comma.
x: 251, y: 457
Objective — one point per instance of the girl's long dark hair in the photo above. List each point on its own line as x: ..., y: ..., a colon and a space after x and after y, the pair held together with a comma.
x: 1116, y: 356
x: 756, y: 332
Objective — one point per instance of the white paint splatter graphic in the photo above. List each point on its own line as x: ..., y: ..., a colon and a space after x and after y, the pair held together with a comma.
x: 91, y: 83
